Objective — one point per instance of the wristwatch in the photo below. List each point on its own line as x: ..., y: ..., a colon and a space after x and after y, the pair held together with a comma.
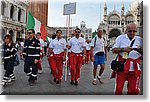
x: 122, y: 49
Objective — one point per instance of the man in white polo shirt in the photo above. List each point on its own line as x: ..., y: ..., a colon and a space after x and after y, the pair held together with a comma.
x: 39, y: 64
x: 76, y: 45
x: 130, y: 54
x: 57, y: 55
x: 98, y: 54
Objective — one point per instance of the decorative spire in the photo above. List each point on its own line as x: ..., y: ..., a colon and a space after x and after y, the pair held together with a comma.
x: 122, y: 5
x: 122, y: 8
x: 105, y: 3
x: 105, y: 12
x: 114, y: 7
x: 105, y: 8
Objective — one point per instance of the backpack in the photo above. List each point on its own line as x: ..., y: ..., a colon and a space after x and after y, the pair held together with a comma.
x: 96, y: 39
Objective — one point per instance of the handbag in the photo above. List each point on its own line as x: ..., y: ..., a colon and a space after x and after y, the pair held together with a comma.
x: 119, y: 65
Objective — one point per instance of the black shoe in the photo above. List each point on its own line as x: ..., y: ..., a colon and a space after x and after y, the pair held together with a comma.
x: 31, y: 82
x: 72, y: 82
x: 58, y: 81
x: 55, y: 79
x: 76, y: 83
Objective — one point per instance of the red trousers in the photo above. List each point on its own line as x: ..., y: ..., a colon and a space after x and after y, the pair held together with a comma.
x: 132, y: 86
x: 56, y: 65
x: 76, y: 61
x: 87, y: 56
x: 39, y: 64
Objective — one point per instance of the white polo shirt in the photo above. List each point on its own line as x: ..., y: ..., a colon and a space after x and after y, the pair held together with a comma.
x: 88, y: 46
x: 77, y: 44
x: 41, y: 43
x: 99, y: 45
x: 123, y: 41
x: 49, y: 41
x: 58, y: 46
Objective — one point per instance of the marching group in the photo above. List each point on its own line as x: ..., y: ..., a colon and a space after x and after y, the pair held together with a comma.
x: 75, y: 53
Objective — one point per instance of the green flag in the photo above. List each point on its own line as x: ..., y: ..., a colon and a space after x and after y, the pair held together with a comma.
x: 31, y: 21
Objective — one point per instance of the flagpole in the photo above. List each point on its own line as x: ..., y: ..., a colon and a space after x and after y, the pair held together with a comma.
x: 68, y: 10
x: 67, y: 49
x: 65, y: 76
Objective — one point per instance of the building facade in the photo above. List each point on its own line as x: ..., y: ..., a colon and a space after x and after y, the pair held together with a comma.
x: 39, y: 9
x: 87, y: 32
x: 13, y: 18
x: 52, y: 30
x: 114, y: 23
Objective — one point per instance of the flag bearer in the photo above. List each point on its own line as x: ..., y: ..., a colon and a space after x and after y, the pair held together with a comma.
x: 32, y: 55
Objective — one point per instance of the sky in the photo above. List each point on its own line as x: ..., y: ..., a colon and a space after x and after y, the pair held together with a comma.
x: 88, y: 11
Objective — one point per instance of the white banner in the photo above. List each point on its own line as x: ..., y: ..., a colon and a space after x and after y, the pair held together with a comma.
x: 69, y: 9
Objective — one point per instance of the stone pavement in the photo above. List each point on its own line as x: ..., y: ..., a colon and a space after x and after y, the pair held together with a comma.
x: 46, y: 86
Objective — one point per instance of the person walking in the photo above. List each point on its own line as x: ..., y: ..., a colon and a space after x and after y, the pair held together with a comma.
x: 88, y: 47
x: 39, y: 64
x: 31, y: 53
x: 48, y: 57
x: 76, y: 56
x: 8, y: 53
x: 57, y: 54
x: 98, y: 54
x: 128, y: 47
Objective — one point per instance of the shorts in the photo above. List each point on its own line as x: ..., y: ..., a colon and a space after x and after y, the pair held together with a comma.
x: 99, y: 59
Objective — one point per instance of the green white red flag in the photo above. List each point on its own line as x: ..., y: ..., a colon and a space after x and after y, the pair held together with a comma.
x: 35, y: 24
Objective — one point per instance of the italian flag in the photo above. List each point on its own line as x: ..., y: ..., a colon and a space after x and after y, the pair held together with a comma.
x: 35, y: 24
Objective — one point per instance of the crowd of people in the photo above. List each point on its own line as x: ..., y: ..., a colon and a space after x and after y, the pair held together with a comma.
x: 75, y: 52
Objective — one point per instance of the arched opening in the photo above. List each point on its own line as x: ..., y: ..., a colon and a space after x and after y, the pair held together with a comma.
x: 114, y: 20
x: 114, y: 33
x: 129, y: 19
x: 19, y: 15
x: 11, y: 11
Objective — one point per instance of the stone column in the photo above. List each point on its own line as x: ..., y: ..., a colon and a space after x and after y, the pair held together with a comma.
x: 7, y: 10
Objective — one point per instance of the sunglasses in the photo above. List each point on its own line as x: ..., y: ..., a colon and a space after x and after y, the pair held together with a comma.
x: 130, y: 31
x: 77, y: 31
x: 29, y: 32
x: 6, y: 38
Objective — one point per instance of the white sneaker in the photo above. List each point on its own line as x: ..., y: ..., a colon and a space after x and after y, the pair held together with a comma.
x: 3, y: 83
